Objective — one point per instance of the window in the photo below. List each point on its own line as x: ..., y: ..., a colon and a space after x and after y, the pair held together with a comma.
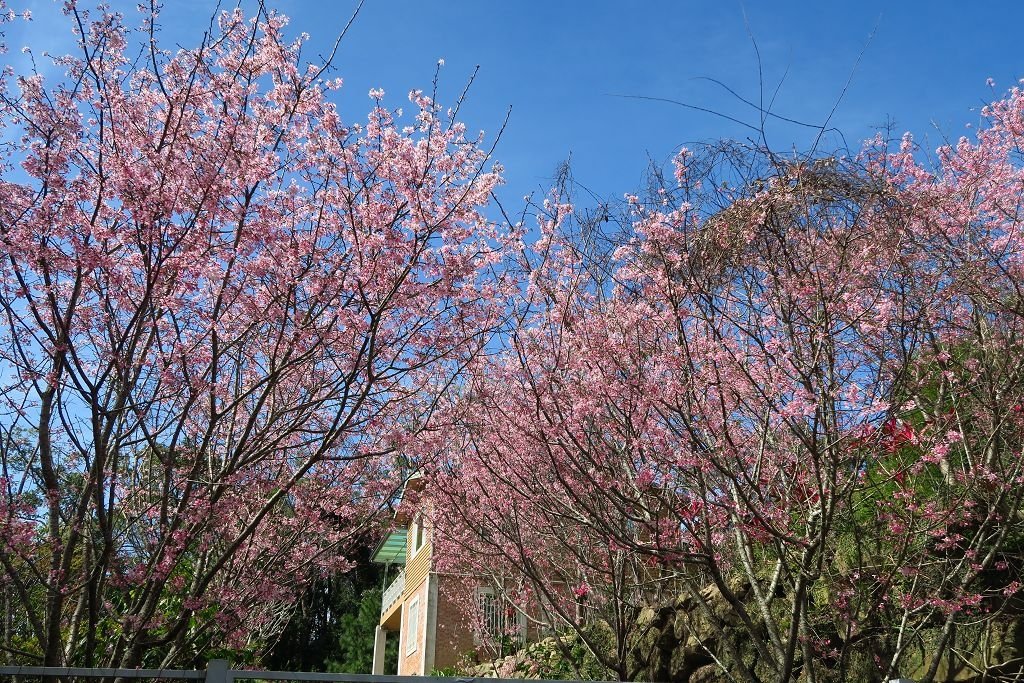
x: 418, y: 534
x: 412, y: 631
x: 501, y: 622
x: 548, y: 621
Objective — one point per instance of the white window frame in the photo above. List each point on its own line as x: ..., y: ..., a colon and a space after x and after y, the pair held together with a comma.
x: 519, y: 615
x: 412, y: 613
x: 419, y: 535
x: 548, y: 622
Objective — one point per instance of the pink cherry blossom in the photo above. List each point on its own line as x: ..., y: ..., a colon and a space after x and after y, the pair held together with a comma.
x: 227, y: 305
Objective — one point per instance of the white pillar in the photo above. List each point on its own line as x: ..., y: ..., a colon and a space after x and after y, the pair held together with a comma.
x: 380, y: 639
x: 430, y: 642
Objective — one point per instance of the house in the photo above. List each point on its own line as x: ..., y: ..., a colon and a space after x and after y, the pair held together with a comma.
x: 417, y: 608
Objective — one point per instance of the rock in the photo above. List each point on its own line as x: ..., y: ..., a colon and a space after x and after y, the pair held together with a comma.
x: 991, y: 651
x: 706, y: 674
x: 685, y: 662
x: 680, y: 627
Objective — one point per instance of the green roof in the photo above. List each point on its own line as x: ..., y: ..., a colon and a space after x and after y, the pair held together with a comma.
x: 391, y: 550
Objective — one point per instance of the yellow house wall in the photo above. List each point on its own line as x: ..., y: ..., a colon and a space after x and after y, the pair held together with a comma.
x: 417, y: 572
x: 417, y: 568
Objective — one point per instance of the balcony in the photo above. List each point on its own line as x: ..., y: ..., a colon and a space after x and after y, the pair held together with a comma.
x: 393, y: 592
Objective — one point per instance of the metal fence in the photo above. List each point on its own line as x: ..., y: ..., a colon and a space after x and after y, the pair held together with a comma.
x: 219, y: 671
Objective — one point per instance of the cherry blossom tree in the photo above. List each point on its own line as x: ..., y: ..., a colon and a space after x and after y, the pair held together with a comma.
x: 790, y: 396
x: 225, y: 308
x: 545, y: 493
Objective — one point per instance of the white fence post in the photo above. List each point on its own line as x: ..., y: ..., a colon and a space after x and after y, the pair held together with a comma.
x: 217, y: 671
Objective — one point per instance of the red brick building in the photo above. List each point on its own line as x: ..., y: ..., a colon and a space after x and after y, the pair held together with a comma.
x: 433, y: 631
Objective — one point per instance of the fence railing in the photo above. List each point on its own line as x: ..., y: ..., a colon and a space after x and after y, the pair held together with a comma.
x: 219, y: 671
x: 393, y: 592
x: 73, y: 672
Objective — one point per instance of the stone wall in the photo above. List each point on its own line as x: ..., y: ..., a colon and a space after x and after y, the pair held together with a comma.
x: 679, y: 643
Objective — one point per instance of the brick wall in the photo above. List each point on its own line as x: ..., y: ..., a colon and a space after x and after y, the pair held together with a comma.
x: 411, y: 664
x: 454, y: 637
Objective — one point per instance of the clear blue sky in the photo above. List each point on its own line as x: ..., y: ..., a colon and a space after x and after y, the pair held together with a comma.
x: 558, y: 63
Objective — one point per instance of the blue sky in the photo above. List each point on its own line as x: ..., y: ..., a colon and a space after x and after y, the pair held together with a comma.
x: 559, y: 65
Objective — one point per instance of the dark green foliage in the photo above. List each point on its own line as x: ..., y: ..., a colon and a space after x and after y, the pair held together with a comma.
x: 333, y: 626
x: 355, y: 635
